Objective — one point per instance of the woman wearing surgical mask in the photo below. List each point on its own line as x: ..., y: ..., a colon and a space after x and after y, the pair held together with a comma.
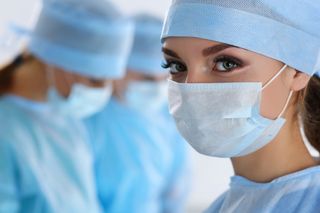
x: 45, y: 161
x: 141, y: 163
x: 242, y: 86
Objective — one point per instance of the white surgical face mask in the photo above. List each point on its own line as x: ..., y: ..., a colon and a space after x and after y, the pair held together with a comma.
x: 146, y: 97
x: 82, y: 102
x: 223, y: 119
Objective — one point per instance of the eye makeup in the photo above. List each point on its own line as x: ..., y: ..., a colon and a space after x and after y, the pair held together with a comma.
x: 175, y: 66
x: 226, y: 63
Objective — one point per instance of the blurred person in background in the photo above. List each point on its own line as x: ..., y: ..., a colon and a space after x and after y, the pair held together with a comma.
x: 141, y: 161
x: 46, y: 163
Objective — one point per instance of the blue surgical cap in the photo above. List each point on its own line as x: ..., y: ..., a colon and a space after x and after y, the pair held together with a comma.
x: 146, y: 55
x: 88, y: 37
x: 285, y: 30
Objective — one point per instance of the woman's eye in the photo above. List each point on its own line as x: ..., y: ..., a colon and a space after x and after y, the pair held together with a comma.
x: 174, y: 67
x: 225, y: 65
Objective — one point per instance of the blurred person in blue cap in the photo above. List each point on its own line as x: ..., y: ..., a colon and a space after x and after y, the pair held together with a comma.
x: 141, y: 161
x: 46, y: 163
x: 242, y: 83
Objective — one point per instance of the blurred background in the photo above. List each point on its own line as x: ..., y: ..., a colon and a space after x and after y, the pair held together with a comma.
x: 210, y: 176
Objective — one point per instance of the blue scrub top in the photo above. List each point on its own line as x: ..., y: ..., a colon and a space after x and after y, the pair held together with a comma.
x: 45, y: 161
x: 293, y: 193
x: 141, y: 160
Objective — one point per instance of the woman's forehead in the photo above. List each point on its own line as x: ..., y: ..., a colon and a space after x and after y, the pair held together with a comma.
x: 183, y: 45
x: 175, y: 46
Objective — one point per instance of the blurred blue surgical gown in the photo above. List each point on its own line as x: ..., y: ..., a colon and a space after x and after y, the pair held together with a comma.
x: 45, y: 161
x: 141, y: 161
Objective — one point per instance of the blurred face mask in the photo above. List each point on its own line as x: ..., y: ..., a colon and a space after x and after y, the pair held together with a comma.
x: 223, y: 119
x: 146, y: 97
x: 83, y: 101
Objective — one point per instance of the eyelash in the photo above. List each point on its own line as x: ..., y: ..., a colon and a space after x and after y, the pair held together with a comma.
x: 168, y: 64
x: 165, y: 65
x: 221, y: 59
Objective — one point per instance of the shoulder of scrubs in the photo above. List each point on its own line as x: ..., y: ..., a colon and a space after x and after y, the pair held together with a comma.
x: 296, y: 192
x: 11, y: 189
x: 137, y: 165
x: 9, y: 196
x: 18, y: 111
x: 52, y: 159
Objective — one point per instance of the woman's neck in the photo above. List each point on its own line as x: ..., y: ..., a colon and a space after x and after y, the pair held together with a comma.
x: 286, y: 154
x: 30, y: 81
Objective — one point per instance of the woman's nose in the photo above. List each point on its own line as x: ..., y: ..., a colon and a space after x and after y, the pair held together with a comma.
x: 197, y: 74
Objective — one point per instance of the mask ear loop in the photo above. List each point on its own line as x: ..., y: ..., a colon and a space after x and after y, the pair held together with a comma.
x: 286, y: 105
x: 290, y: 94
x: 274, y: 77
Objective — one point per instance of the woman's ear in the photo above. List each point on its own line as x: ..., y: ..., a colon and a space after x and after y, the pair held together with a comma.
x: 300, y: 80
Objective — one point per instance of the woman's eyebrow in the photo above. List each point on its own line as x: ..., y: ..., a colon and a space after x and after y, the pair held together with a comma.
x: 206, y: 52
x: 170, y: 53
x: 215, y: 49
